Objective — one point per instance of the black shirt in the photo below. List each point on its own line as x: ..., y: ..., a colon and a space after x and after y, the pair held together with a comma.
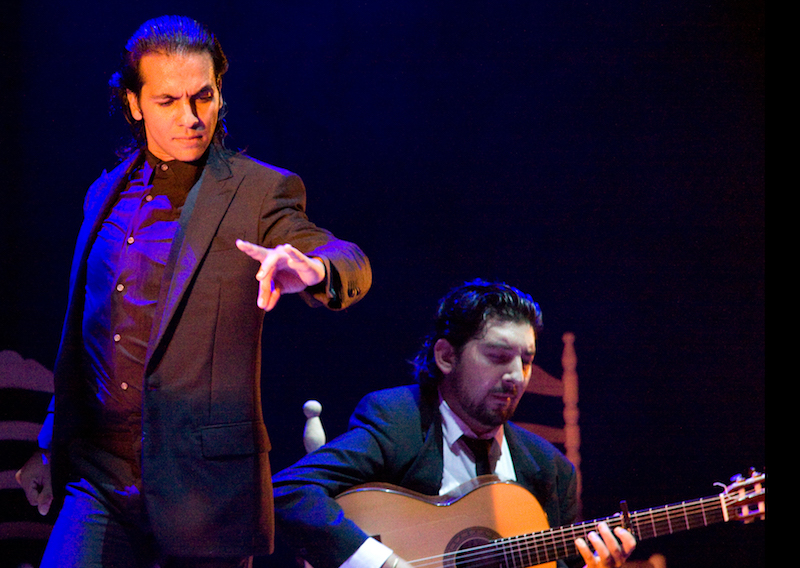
x: 125, y: 270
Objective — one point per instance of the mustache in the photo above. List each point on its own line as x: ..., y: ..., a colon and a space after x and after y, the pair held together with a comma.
x: 505, y: 389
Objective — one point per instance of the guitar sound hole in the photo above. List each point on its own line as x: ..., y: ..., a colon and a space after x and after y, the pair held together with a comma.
x: 472, y: 548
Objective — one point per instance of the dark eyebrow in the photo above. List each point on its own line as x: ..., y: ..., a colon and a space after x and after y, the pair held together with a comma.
x: 202, y: 91
x: 502, y: 346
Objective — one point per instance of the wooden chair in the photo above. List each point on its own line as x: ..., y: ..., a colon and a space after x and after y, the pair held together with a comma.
x: 25, y: 391
x: 568, y: 436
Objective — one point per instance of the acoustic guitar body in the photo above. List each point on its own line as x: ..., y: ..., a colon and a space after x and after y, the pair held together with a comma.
x: 488, y: 523
x: 438, y: 532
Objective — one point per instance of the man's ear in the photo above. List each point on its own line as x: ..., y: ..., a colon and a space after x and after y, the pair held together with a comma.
x: 133, y: 105
x: 445, y: 355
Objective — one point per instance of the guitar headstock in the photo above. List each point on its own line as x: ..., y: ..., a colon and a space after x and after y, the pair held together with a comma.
x: 745, y: 498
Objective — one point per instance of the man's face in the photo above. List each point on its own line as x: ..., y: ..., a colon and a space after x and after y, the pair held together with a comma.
x: 485, y: 381
x: 179, y: 103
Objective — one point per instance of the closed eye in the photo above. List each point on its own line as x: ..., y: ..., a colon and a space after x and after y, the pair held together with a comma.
x: 499, y: 356
x: 205, y: 95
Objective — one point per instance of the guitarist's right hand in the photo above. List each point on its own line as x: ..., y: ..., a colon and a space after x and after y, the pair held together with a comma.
x: 395, y: 561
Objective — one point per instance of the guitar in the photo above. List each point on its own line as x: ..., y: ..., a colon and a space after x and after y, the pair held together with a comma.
x: 492, y: 523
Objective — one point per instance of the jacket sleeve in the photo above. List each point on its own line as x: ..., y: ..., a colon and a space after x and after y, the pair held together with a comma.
x: 284, y: 220
x: 45, y: 438
x: 378, y: 447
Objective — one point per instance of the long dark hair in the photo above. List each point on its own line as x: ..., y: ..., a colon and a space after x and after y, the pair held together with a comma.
x: 166, y: 35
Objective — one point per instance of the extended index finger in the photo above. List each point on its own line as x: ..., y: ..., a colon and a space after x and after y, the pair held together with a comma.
x: 253, y: 251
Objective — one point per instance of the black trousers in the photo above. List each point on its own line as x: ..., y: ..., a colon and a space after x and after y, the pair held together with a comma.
x: 104, y: 522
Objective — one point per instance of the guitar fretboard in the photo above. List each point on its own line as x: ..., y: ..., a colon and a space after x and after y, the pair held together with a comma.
x: 557, y: 543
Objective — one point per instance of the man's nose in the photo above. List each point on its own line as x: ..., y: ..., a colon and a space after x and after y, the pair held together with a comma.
x: 188, y: 114
x: 516, y: 371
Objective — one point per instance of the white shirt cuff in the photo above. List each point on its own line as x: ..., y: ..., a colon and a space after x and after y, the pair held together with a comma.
x: 371, y: 554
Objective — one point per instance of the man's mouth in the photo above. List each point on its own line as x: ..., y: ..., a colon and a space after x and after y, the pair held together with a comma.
x: 504, y: 394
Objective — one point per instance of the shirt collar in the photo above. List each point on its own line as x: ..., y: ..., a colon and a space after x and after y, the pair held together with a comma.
x: 454, y: 427
x: 172, y: 177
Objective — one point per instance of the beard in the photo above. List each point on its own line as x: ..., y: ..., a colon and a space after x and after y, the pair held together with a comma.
x: 488, y: 411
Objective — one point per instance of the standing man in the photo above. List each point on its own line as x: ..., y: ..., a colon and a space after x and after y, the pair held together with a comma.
x: 157, y: 444
x: 472, y: 372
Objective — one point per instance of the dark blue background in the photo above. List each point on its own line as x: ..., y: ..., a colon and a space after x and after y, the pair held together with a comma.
x: 605, y: 156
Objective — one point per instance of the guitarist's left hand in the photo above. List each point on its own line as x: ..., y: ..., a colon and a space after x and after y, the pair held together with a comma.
x: 608, y: 550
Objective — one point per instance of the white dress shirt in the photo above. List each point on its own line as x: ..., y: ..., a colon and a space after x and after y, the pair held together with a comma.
x: 459, y: 467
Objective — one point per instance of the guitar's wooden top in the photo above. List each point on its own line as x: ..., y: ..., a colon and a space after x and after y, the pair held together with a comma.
x: 418, y: 526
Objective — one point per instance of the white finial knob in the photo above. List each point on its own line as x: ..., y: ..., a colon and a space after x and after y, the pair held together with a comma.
x: 312, y: 408
x: 313, y: 433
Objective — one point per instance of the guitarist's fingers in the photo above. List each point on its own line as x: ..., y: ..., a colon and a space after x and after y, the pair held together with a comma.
x: 586, y: 553
x: 618, y: 550
x: 608, y: 551
x: 601, y: 557
x: 592, y: 560
x: 627, y: 540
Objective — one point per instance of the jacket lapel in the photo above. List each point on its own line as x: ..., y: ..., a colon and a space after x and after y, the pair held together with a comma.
x: 529, y: 475
x: 425, y: 473
x: 205, y: 207
x: 99, y: 199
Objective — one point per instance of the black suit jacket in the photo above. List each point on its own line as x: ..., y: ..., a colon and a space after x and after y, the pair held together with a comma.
x: 395, y: 436
x: 205, y: 467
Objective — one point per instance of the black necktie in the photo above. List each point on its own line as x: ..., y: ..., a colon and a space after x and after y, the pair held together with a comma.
x: 480, y: 449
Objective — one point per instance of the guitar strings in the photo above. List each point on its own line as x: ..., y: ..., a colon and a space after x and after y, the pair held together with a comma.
x: 552, y: 544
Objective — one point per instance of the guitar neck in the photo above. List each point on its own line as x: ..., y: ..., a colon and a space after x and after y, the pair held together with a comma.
x: 554, y: 544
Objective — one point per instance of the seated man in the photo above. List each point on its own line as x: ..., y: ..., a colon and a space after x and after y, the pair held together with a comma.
x: 472, y: 372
